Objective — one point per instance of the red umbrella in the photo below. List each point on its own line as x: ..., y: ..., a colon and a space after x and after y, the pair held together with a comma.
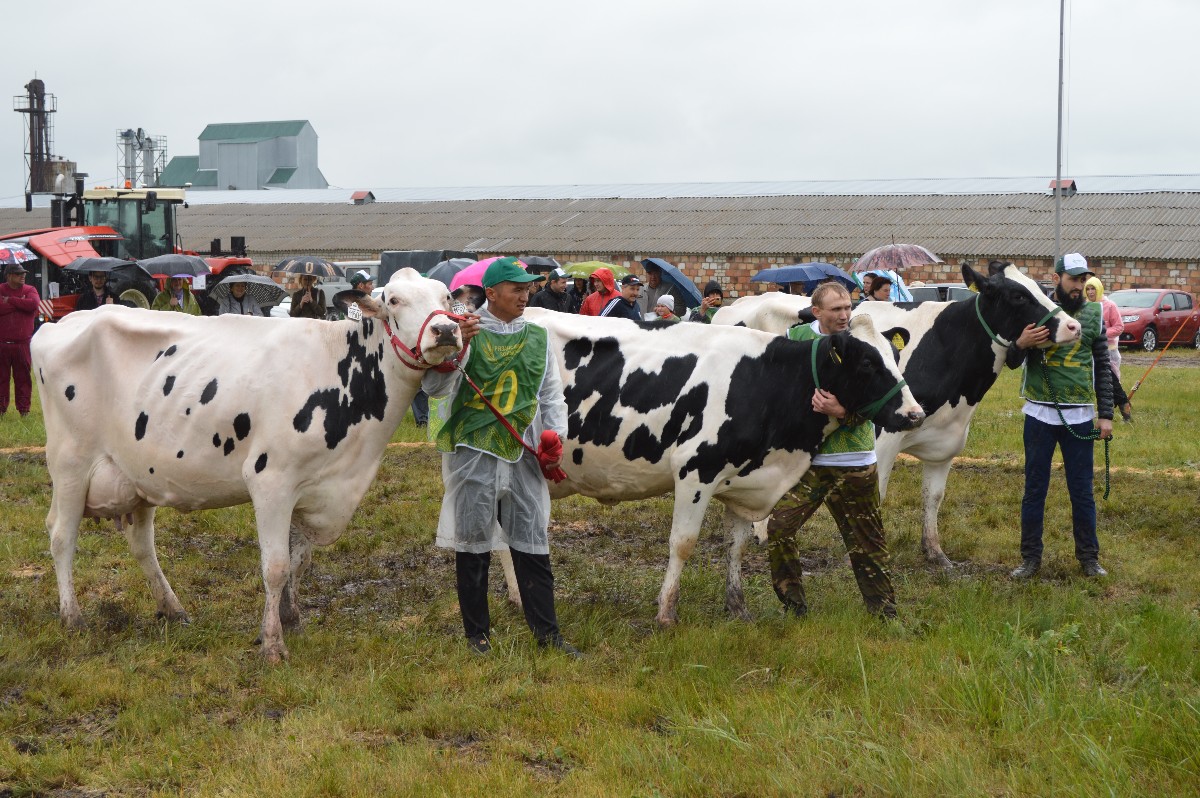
x: 11, y: 252
x: 895, y: 257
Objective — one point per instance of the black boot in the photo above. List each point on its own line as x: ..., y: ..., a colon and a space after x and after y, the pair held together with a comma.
x: 535, y: 582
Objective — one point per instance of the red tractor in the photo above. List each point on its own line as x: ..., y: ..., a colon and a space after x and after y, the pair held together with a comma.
x: 127, y: 223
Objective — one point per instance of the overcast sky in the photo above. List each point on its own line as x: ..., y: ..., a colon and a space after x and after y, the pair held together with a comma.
x: 626, y: 91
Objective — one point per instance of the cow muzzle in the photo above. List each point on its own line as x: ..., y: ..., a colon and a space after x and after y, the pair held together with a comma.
x: 436, y: 342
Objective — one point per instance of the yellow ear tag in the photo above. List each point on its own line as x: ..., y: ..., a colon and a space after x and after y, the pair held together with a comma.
x: 897, y: 341
x: 835, y: 356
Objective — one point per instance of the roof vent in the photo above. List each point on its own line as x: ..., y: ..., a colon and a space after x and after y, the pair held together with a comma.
x: 362, y: 197
x: 1067, y: 185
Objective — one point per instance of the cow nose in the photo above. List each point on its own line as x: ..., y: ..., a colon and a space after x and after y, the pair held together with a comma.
x: 445, y: 334
x: 1073, y: 327
x: 916, y: 416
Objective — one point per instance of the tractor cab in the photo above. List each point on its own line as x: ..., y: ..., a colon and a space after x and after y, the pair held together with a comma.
x: 145, y: 218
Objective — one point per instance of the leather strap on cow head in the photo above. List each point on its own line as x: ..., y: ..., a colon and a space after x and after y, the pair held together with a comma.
x: 867, y: 411
x: 996, y: 338
x: 413, y: 358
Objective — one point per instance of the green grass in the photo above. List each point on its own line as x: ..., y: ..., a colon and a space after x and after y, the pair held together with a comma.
x: 1062, y: 686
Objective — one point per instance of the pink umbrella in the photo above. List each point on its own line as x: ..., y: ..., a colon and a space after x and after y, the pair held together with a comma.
x: 472, y: 275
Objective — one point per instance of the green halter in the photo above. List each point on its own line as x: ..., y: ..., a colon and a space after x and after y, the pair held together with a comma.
x: 996, y: 338
x: 868, y: 411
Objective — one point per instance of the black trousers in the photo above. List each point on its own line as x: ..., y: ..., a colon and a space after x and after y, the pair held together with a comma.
x: 535, y: 583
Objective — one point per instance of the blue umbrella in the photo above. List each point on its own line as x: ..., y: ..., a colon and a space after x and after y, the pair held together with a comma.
x: 672, y: 275
x: 811, y: 274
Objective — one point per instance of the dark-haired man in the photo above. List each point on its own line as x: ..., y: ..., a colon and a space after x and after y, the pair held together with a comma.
x: 18, y: 309
x: 624, y: 305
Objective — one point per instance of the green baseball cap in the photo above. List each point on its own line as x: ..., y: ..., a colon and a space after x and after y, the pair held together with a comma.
x: 507, y: 270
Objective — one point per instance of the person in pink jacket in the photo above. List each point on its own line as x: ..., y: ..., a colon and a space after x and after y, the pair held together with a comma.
x: 18, y: 309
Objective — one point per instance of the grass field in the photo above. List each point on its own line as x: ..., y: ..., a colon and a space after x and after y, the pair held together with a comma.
x: 1062, y: 686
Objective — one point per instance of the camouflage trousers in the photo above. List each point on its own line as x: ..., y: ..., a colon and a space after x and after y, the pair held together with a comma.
x: 852, y: 496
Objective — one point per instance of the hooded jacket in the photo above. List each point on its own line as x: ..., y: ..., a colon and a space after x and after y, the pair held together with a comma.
x: 596, y: 300
x: 1113, y: 326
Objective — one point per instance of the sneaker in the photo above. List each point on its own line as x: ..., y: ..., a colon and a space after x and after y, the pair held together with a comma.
x: 479, y: 644
x: 1092, y: 568
x: 1027, y: 569
x: 557, y: 643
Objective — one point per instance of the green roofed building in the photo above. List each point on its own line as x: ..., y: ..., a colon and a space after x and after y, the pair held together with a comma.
x: 248, y: 156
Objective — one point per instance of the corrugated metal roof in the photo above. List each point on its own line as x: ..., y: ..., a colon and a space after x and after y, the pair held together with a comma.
x: 252, y: 131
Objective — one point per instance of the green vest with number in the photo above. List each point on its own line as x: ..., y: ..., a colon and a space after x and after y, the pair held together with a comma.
x: 1069, y: 366
x: 843, y: 440
x: 508, y: 368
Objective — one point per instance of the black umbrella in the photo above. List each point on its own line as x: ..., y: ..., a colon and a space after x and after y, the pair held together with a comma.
x: 98, y: 265
x: 309, y: 264
x: 535, y: 264
x: 444, y: 272
x: 262, y: 289
x: 171, y: 265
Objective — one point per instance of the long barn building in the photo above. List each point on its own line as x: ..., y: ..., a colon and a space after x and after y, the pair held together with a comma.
x: 1138, y: 230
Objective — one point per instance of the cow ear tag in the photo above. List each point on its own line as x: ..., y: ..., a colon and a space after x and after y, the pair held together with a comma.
x: 833, y: 354
x: 354, y: 312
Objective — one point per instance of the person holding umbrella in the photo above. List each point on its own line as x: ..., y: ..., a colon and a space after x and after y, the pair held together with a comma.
x: 308, y: 302
x: 19, y: 304
x: 238, y: 302
x: 98, y: 294
x: 177, y: 296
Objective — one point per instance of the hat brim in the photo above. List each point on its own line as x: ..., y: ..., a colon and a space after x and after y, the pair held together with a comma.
x: 528, y: 278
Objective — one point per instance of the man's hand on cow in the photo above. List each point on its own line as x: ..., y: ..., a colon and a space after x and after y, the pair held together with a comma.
x: 469, y: 326
x: 1032, y: 336
x: 1105, y: 427
x: 825, y: 402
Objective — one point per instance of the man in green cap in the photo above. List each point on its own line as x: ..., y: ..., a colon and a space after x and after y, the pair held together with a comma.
x: 496, y: 495
x: 1065, y: 387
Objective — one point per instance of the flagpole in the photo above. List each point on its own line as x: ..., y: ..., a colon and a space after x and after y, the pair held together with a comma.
x: 1062, y: 6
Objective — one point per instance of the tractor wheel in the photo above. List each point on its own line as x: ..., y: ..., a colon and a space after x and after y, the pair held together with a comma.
x: 135, y: 298
x: 1149, y: 340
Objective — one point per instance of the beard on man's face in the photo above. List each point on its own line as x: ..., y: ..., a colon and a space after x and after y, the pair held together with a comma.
x: 1071, y: 302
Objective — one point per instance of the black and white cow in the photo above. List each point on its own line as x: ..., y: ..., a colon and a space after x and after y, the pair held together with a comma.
x: 148, y: 409
x: 709, y: 413
x: 949, y: 359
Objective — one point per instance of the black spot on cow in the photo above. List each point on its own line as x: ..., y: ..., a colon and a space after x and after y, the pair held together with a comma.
x: 362, y: 395
x: 217, y: 440
x: 696, y: 498
x: 577, y: 457
x: 241, y: 426
x: 179, y: 454
x: 209, y: 392
x: 601, y: 376
x: 70, y: 393
x: 684, y: 423
x: 139, y: 429
x: 171, y: 350
x: 187, y: 412
x: 41, y: 377
x: 168, y: 385
x: 260, y: 463
x: 160, y: 354
x: 228, y: 446
x: 645, y: 391
x: 151, y: 469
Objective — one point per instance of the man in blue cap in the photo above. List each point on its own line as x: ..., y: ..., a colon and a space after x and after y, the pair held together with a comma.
x: 496, y: 495
x: 1065, y: 387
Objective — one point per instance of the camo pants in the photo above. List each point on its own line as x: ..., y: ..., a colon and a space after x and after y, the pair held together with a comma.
x: 852, y: 496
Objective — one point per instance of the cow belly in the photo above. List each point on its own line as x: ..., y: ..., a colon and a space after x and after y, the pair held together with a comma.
x: 162, y: 483
x: 603, y: 473
x: 942, y: 436
x: 110, y: 492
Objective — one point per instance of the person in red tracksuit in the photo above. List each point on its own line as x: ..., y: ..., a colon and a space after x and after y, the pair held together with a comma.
x: 18, y: 309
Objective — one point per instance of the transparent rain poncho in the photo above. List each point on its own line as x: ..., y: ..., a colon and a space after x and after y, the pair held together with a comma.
x: 490, y: 503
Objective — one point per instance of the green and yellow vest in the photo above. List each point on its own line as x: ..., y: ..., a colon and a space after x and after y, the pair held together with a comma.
x: 1069, y: 365
x: 508, y: 368
x: 844, y: 439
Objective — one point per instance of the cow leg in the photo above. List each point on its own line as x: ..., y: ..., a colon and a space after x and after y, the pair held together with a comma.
x: 301, y: 559
x: 510, y: 577
x: 273, y: 543
x: 739, y: 532
x: 685, y: 530
x: 933, y: 490
x: 140, y: 536
x: 62, y: 524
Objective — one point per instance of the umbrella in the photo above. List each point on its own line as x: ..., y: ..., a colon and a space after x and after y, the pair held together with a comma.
x: 811, y: 274
x: 175, y: 265
x: 586, y: 268
x: 672, y: 275
x: 12, y: 252
x: 101, y: 265
x: 444, y: 272
x: 309, y: 264
x: 895, y: 257
x: 539, y: 263
x: 473, y: 274
x: 262, y: 289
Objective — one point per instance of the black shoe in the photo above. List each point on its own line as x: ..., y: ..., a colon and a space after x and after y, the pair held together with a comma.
x: 1027, y: 569
x: 557, y: 643
x: 479, y: 644
x: 1092, y: 568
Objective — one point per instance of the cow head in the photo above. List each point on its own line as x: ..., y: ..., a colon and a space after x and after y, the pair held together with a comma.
x: 416, y: 312
x: 861, y: 367
x: 1009, y: 301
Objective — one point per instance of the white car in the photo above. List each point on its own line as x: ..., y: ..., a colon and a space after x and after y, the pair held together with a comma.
x: 283, y: 309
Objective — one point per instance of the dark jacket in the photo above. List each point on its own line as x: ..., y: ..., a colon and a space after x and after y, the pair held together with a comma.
x: 622, y: 308
x: 551, y: 300
x: 314, y: 310
x: 89, y: 301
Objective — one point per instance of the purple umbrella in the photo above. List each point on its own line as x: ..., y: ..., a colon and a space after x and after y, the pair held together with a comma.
x: 895, y: 257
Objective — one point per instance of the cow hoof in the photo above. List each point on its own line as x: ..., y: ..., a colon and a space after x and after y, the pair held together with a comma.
x: 667, y: 621
x: 739, y: 613
x: 942, y: 561
x: 74, y: 623
x: 274, y: 655
x: 180, y: 617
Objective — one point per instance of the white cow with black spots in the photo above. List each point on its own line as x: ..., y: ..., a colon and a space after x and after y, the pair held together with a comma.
x: 148, y: 409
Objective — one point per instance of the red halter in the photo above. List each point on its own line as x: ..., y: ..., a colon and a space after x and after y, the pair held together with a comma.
x: 413, y: 358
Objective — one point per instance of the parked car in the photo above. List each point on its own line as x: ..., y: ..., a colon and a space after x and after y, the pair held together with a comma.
x: 939, y: 292
x: 1155, y: 315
